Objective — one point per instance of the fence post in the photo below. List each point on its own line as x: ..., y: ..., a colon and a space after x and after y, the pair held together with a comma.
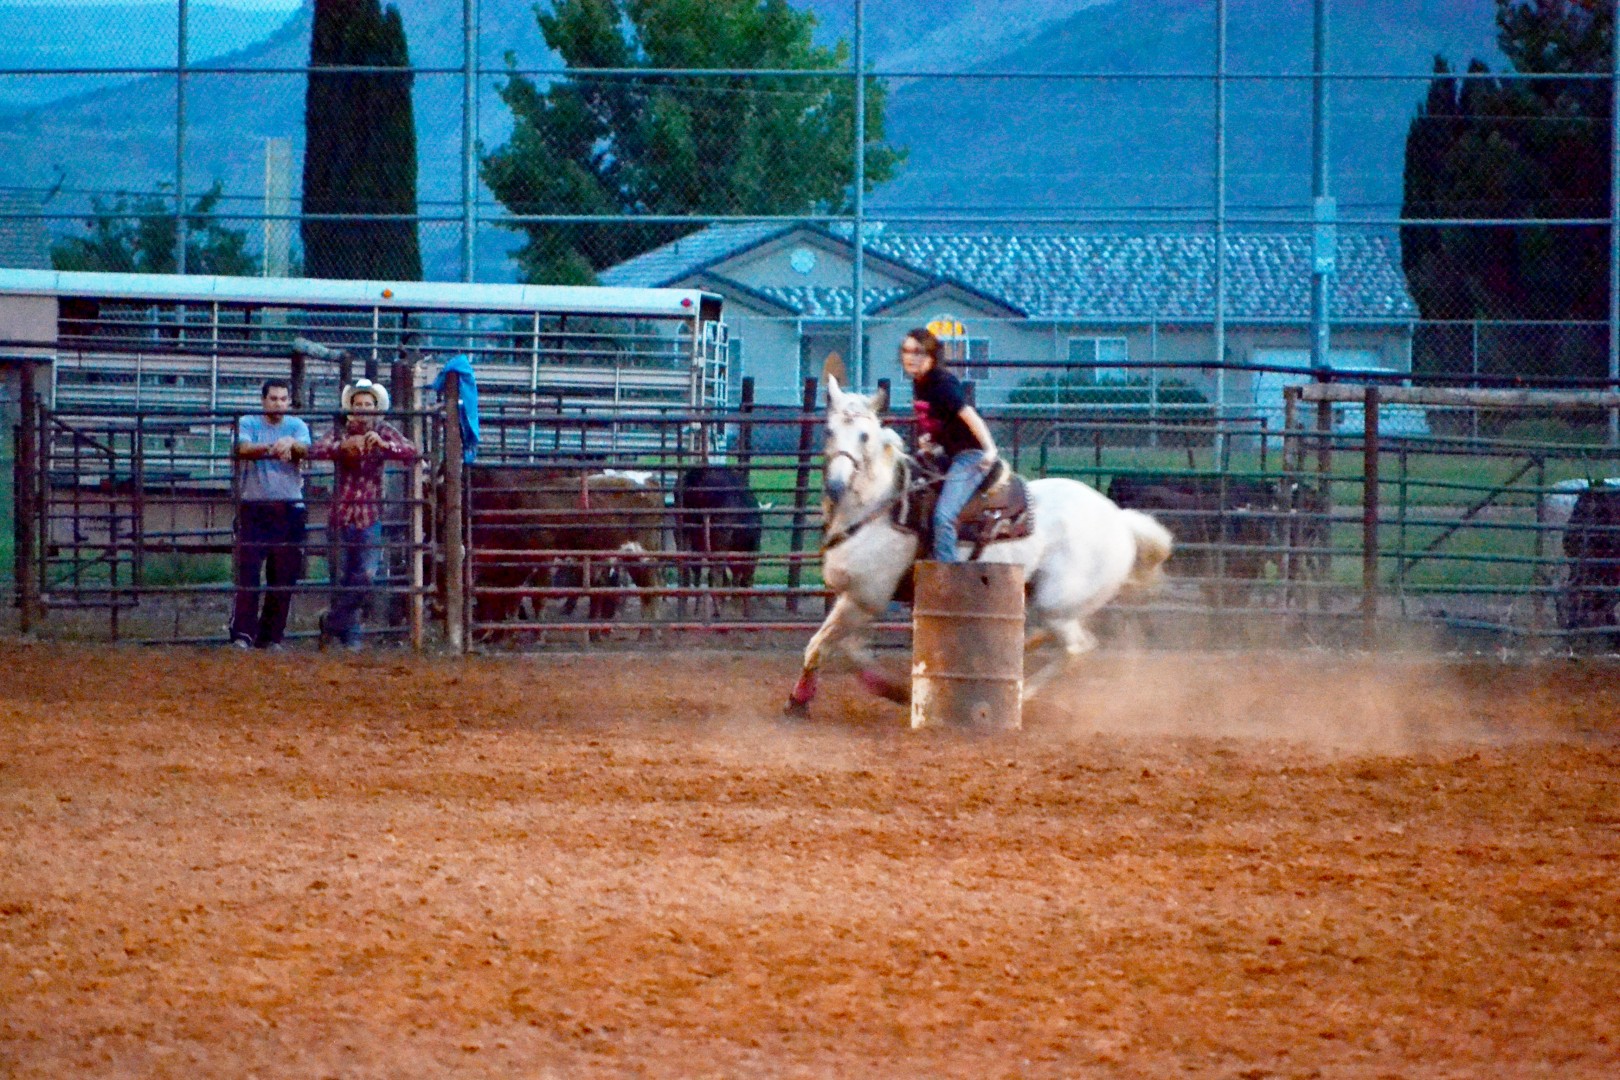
x: 801, y: 485
x: 745, y: 428
x: 1539, y: 578
x: 1403, y: 495
x: 29, y: 500
x: 1292, y: 472
x: 1324, y: 486
x: 1369, y: 520
x: 403, y: 376
x: 138, y: 509
x: 455, y: 598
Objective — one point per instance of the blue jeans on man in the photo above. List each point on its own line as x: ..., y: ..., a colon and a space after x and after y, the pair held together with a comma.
x: 359, y: 557
x: 269, y: 538
x: 962, y: 479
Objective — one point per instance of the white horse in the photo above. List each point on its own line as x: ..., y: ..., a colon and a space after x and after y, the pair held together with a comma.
x: 1082, y: 551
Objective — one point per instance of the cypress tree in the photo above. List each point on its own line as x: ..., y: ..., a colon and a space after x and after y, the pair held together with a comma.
x: 1521, y: 151
x: 359, y: 146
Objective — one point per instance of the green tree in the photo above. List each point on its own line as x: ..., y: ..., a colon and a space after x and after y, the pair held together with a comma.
x: 1505, y: 148
x: 359, y: 146
x: 661, y: 144
x: 137, y: 234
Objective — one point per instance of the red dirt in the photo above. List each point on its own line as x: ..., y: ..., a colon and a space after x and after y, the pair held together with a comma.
x: 618, y: 865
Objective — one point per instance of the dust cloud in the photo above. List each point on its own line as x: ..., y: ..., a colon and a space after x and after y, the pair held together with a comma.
x: 1319, y: 701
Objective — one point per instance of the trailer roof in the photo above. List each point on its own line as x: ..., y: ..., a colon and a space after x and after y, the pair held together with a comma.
x: 412, y: 296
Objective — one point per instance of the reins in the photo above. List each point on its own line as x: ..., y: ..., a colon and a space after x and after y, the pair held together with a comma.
x: 900, y: 492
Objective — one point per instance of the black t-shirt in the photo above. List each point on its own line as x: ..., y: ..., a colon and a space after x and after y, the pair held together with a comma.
x: 938, y: 398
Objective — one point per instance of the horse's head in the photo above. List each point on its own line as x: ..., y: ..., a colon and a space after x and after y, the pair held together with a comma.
x: 861, y: 455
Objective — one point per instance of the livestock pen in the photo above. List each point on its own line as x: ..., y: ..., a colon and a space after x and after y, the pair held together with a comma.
x: 1454, y: 540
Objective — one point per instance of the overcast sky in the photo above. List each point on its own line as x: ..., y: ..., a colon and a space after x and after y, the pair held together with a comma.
x: 254, y: 5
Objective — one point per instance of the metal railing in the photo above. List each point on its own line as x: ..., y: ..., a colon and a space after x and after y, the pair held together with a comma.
x: 1304, y: 533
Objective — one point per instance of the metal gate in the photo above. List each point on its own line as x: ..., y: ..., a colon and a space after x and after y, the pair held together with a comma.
x: 129, y: 523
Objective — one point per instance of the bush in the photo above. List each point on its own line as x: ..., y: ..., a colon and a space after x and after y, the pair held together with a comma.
x: 1172, y: 408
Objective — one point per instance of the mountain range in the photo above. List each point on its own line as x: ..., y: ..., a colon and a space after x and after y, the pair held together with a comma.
x: 1031, y: 142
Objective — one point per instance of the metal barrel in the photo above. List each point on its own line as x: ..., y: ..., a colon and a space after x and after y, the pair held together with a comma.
x: 967, y: 667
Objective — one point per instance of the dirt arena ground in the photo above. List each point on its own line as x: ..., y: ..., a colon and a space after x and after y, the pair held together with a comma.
x: 618, y: 865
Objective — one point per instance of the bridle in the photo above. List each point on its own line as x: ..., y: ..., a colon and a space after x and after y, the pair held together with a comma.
x: 853, y: 460
x: 900, y: 492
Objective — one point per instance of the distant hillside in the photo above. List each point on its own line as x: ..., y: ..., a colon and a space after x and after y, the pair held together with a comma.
x: 941, y: 35
x: 1054, y: 146
x: 122, y: 137
x: 1003, y: 145
x: 76, y: 36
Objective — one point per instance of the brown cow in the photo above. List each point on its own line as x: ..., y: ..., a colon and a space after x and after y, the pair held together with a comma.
x: 535, y: 528
x: 507, y: 506
x: 620, y: 525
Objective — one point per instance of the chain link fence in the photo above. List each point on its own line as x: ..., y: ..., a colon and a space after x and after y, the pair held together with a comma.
x: 1145, y: 221
x: 1056, y: 167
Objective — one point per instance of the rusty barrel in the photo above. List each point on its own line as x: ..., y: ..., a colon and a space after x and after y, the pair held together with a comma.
x: 967, y: 666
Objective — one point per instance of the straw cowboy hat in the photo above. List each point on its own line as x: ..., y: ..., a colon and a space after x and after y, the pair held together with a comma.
x: 378, y: 392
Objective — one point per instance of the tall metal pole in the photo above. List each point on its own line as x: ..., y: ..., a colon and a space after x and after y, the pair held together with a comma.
x: 858, y: 347
x: 1614, y: 229
x: 469, y: 116
x: 1324, y: 210
x: 455, y: 519
x: 1220, y: 232
x: 180, y: 143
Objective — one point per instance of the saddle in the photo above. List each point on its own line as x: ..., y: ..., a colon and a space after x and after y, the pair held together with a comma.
x: 999, y: 509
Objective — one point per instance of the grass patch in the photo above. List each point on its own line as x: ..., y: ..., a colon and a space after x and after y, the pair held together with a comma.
x: 1431, y: 479
x: 169, y: 570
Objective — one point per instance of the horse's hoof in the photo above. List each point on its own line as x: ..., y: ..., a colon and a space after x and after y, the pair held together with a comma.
x: 796, y: 710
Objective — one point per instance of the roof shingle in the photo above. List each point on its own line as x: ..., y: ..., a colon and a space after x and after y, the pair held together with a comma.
x: 1112, y: 275
x: 24, y: 242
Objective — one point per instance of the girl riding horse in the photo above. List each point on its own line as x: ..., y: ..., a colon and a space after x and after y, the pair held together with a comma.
x: 946, y: 423
x: 1082, y: 550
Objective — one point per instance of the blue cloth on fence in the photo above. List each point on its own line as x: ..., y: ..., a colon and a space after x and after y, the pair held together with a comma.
x: 461, y: 364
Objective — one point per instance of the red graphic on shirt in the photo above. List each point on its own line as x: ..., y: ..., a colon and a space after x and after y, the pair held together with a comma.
x: 929, y: 426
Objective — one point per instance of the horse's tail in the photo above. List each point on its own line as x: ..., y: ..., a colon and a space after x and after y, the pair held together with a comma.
x: 1153, y: 546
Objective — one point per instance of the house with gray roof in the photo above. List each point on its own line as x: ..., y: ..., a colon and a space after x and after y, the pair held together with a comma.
x: 1120, y: 304
x: 24, y: 243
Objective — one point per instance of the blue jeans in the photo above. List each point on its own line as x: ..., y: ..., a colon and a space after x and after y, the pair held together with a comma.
x: 359, y: 556
x: 962, y: 479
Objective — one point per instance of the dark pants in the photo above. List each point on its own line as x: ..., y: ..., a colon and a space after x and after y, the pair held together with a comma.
x: 359, y: 558
x: 269, y: 535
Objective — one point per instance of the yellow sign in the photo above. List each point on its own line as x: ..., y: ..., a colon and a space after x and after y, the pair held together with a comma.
x: 947, y: 326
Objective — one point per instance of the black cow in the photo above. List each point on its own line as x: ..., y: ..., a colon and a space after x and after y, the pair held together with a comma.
x: 1592, y: 545
x: 1219, y: 543
x: 717, y: 517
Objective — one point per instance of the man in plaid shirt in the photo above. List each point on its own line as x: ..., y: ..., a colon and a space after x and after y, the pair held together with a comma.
x: 359, y: 449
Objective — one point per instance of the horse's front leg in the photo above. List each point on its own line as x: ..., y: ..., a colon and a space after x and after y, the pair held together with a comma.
x: 845, y: 617
x: 872, y: 676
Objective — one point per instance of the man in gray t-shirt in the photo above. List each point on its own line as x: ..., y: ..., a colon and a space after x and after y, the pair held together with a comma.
x: 270, y: 518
